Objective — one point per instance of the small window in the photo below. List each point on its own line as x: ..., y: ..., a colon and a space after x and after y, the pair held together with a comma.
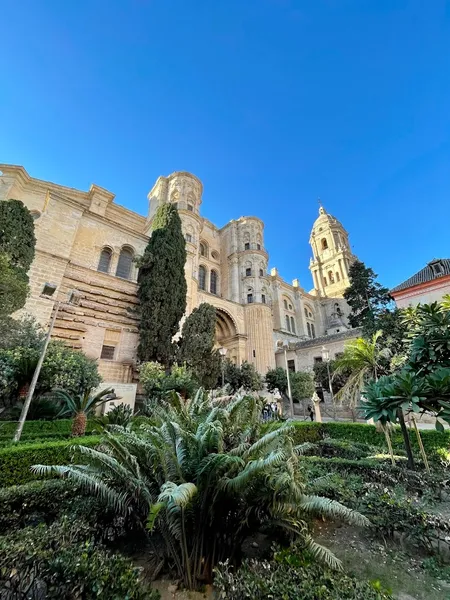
x: 313, y: 330
x: 292, y: 325
x: 437, y: 268
x: 263, y: 298
x: 261, y: 273
x: 105, y: 260
x: 291, y: 366
x: 318, y: 359
x: 203, y: 249
x: 324, y: 244
x: 306, y: 312
x: 125, y: 262
x: 190, y: 208
x: 213, y: 282
x: 254, y: 353
x: 189, y: 237
x: 249, y: 298
x: 288, y: 323
x: 248, y: 272
x: 202, y: 277
x: 310, y: 315
x: 215, y: 255
x: 285, y: 304
x: 290, y: 306
x: 330, y: 277
x: 247, y: 246
x: 258, y: 246
x: 108, y: 352
x: 308, y: 326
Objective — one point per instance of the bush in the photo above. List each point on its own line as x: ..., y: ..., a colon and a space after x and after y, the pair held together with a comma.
x: 35, y: 502
x: 157, y: 382
x: 41, y: 428
x: 16, y: 461
x: 62, y: 561
x: 291, y: 577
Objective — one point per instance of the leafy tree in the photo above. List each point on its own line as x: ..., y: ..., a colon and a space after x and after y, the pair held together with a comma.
x: 206, y: 476
x: 338, y: 379
x: 244, y: 377
x: 79, y: 406
x: 156, y: 381
x: 13, y: 288
x: 196, y: 347
x: 302, y: 385
x: 25, y: 332
x: 365, y: 296
x: 17, y: 239
x: 162, y: 287
x: 276, y: 380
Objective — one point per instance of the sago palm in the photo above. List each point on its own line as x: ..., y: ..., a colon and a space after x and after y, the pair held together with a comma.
x: 205, y: 477
x: 80, y: 406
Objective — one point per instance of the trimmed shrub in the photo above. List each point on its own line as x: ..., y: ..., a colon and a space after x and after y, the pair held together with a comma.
x: 62, y: 561
x: 41, y: 428
x: 35, y: 502
x: 16, y: 461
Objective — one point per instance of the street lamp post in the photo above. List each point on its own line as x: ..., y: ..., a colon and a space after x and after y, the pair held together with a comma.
x: 47, y: 292
x: 281, y: 344
x: 223, y: 352
x: 326, y: 359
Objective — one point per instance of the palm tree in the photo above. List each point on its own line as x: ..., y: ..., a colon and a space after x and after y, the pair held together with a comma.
x: 80, y: 406
x: 205, y: 476
x: 364, y: 359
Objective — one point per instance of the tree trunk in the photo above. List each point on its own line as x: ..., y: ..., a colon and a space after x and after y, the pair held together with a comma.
x: 408, y: 449
x: 79, y: 424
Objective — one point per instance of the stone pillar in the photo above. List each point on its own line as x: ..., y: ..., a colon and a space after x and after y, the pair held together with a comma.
x: 259, y: 328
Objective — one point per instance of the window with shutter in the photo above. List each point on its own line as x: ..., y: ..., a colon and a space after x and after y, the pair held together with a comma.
x: 105, y: 260
x: 125, y: 262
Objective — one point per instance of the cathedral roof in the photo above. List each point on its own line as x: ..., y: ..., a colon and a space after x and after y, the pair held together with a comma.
x: 325, y: 218
x: 438, y: 267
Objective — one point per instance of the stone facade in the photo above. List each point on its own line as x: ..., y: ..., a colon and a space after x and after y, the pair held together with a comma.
x: 86, y: 242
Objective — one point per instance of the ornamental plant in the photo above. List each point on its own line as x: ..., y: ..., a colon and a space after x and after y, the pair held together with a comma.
x: 203, y: 478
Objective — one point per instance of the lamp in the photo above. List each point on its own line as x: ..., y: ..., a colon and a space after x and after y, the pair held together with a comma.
x: 326, y: 359
x: 223, y: 352
x: 285, y: 346
x: 47, y: 292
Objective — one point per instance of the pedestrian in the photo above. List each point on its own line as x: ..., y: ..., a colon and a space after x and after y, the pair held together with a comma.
x: 311, y: 412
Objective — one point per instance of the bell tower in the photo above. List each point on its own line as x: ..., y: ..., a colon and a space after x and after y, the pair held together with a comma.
x: 332, y: 256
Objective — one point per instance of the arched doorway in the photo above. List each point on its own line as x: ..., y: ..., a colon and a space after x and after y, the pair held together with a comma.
x: 227, y: 335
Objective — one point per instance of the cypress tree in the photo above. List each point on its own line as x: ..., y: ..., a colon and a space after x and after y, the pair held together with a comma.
x: 197, y: 345
x: 17, y: 244
x: 162, y: 287
x: 17, y: 239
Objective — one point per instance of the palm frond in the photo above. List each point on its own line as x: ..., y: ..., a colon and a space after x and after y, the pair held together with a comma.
x: 179, y: 495
x: 318, y: 505
x: 323, y: 554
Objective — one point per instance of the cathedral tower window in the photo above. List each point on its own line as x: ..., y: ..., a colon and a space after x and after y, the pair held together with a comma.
x: 263, y: 298
x: 203, y: 249
x: 202, y: 277
x: 249, y: 298
x: 288, y: 323
x: 330, y: 277
x: 247, y: 246
x: 188, y: 237
x: 285, y: 304
x: 293, y: 325
x: 261, y: 273
x: 324, y: 243
x: 337, y: 276
x: 105, y: 260
x: 213, y: 282
x: 308, y: 326
x: 313, y: 330
x: 190, y: 208
x: 125, y: 263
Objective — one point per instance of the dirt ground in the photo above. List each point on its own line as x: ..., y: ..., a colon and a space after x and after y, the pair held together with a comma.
x: 371, y: 560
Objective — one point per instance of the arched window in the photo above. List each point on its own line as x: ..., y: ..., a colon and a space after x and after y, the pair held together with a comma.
x: 313, y: 330
x: 330, y: 277
x: 288, y: 325
x: 285, y: 304
x: 125, y: 262
x: 105, y: 260
x: 249, y: 298
x: 308, y: 325
x: 202, y: 277
x: 292, y: 325
x: 188, y: 237
x: 213, y: 282
x: 190, y: 208
x: 337, y: 276
x: 306, y: 312
x: 324, y: 243
x: 203, y: 249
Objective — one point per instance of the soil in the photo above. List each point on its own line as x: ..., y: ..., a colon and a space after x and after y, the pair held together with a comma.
x: 371, y: 560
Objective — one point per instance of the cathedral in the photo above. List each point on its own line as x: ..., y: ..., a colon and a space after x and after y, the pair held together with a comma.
x: 88, y: 244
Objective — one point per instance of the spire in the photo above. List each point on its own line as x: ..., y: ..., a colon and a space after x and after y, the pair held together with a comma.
x: 322, y: 211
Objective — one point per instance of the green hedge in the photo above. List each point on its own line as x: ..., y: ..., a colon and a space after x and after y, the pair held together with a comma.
x: 39, y: 428
x: 16, y: 461
x: 435, y: 442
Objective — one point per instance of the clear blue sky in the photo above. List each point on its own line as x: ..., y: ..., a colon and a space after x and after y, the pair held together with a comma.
x: 272, y: 103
